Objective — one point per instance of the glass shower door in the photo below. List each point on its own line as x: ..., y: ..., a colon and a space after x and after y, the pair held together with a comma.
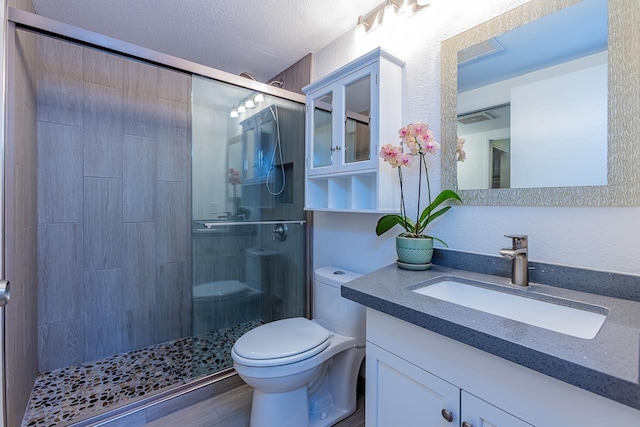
x: 248, y: 225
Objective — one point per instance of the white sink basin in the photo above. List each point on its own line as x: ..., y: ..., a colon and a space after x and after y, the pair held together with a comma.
x: 555, y: 317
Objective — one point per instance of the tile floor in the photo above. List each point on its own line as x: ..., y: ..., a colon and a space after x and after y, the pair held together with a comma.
x: 67, y: 395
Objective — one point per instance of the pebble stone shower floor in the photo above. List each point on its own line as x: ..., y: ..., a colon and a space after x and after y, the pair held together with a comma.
x: 74, y: 393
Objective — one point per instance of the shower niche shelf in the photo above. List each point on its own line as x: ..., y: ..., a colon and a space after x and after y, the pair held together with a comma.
x: 350, y: 113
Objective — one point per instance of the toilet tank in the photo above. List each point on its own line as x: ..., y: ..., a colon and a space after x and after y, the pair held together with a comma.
x: 331, y: 310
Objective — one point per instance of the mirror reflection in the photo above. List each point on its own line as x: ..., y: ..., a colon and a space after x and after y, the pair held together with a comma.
x: 357, y: 97
x: 532, y: 103
x: 322, y: 131
x: 245, y: 154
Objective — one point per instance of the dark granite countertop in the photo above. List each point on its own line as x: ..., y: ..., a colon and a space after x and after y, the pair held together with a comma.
x: 608, y: 364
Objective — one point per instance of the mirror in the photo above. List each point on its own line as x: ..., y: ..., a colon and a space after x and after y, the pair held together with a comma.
x: 534, y: 74
x: 322, y: 131
x: 613, y: 183
x: 357, y: 99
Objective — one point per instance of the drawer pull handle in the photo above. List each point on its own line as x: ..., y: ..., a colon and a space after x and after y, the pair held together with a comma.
x: 447, y: 415
x: 466, y: 424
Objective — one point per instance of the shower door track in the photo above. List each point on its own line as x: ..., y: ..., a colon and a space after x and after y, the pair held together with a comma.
x: 51, y: 27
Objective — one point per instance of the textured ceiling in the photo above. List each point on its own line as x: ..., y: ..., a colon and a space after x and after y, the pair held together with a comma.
x: 262, y: 37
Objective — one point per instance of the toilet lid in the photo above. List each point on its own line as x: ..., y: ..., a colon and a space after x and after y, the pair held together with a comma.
x: 282, y: 339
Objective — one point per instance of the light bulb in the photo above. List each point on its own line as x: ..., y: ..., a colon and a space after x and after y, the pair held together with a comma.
x: 249, y: 103
x: 389, y: 15
x: 234, y: 113
x: 258, y: 98
x: 241, y: 108
x: 361, y: 29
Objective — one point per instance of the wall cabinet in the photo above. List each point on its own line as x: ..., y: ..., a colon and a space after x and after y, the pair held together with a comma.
x: 413, y: 374
x: 259, y: 138
x: 408, y: 395
x: 350, y: 113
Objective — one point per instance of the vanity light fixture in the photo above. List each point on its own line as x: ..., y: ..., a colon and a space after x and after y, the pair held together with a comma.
x: 387, y: 13
x: 249, y: 102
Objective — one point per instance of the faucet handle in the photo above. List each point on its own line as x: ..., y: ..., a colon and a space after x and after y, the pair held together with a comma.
x: 519, y: 240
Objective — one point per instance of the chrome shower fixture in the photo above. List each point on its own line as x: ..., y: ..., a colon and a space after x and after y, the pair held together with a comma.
x: 276, y: 83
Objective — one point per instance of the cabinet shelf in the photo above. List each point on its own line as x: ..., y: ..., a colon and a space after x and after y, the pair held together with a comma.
x: 352, y: 192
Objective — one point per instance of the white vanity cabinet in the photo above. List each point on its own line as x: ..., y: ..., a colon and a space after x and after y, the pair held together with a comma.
x: 407, y: 395
x: 402, y: 394
x: 413, y: 374
x: 350, y: 114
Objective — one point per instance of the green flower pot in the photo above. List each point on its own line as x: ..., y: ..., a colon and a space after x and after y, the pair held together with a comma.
x: 414, y: 253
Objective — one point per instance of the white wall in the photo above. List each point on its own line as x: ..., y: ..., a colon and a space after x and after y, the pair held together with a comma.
x: 596, y: 238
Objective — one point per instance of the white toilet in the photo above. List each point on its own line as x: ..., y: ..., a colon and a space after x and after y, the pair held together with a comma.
x: 304, y: 372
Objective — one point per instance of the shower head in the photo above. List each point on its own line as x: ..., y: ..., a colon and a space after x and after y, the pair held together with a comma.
x: 276, y: 83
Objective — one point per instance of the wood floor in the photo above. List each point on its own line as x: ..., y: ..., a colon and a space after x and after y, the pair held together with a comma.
x: 232, y: 409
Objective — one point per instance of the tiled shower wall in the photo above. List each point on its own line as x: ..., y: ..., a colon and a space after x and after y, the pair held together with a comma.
x: 21, y: 225
x: 113, y: 204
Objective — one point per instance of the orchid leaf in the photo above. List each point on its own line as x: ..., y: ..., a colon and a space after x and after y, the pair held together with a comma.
x: 442, y: 197
x: 433, y: 216
x: 389, y: 221
x: 439, y: 240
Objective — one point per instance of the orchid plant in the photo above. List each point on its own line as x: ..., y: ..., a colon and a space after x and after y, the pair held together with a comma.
x: 416, y: 142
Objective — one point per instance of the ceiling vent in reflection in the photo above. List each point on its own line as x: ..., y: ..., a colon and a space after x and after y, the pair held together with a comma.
x: 480, y: 116
x: 482, y: 49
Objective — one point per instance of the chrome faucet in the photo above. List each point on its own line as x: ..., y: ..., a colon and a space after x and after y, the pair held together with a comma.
x: 519, y: 254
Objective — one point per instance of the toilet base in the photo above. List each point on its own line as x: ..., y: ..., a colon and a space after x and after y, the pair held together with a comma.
x: 328, y: 416
x: 288, y: 409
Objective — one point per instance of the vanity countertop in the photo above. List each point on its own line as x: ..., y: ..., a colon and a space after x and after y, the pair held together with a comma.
x: 608, y: 365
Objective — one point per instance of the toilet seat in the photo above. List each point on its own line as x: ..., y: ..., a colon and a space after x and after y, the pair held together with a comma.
x: 281, y: 342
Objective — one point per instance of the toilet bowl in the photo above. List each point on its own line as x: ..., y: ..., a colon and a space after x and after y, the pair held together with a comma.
x: 304, y: 372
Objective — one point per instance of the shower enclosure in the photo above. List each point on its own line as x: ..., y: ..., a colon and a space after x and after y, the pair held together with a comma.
x: 151, y: 226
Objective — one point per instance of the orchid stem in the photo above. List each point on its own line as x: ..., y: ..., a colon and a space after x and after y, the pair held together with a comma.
x: 426, y: 221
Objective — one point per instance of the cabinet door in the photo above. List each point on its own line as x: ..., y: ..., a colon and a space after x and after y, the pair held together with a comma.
x: 358, y: 130
x: 321, y: 133
x: 478, y: 413
x: 250, y: 160
x: 401, y: 394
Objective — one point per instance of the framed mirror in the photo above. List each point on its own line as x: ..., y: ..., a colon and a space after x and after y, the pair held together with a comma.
x: 619, y: 177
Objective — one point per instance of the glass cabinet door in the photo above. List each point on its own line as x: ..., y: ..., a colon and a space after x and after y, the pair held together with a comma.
x: 322, y: 142
x: 357, y: 128
x: 250, y: 159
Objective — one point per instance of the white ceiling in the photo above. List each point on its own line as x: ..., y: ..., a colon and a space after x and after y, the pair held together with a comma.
x: 262, y: 37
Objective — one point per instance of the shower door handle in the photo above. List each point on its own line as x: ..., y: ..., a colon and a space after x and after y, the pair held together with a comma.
x: 4, y: 292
